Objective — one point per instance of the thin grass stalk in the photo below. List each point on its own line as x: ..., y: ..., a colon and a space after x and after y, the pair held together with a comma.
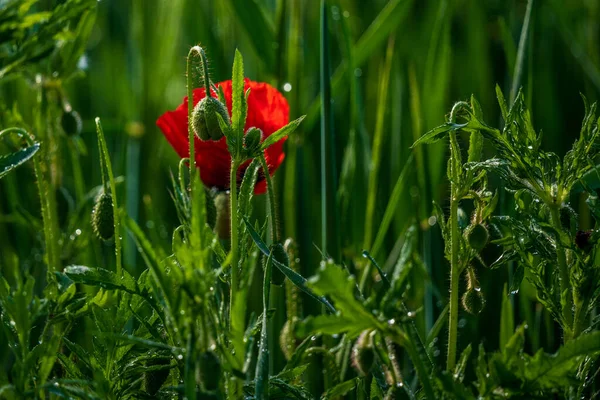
x: 454, y: 267
x: 376, y: 156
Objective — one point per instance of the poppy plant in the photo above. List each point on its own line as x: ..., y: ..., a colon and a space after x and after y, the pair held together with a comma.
x: 268, y: 111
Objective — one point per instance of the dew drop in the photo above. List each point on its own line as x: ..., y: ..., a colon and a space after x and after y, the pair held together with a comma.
x: 287, y: 87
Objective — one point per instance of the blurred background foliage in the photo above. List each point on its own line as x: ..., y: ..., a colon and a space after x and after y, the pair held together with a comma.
x: 397, y: 67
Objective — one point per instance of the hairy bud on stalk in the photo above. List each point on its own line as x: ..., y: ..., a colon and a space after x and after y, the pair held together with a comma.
x: 222, y: 222
x: 287, y: 339
x: 103, y: 221
x: 363, y: 355
x: 204, y: 118
x: 478, y: 237
x: 210, y: 371
x: 473, y: 301
x: 252, y: 141
x: 583, y: 240
x: 70, y: 121
x: 211, y: 209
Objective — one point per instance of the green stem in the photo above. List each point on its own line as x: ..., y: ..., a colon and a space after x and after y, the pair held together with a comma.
x: 194, y: 52
x: 565, y: 284
x: 234, y: 235
x: 454, y: 267
x: 271, y: 194
x: 262, y: 365
x: 580, y: 312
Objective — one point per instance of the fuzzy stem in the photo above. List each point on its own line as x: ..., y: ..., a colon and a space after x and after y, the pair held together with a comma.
x: 194, y: 51
x: 271, y: 194
x: 565, y: 284
x: 454, y: 267
x: 234, y: 234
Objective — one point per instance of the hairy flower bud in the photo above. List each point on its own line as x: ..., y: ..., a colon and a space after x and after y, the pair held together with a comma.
x: 478, y: 237
x: 363, y: 355
x: 211, y: 209
x: 473, y: 301
x: 103, y: 221
x: 287, y: 339
x: 70, y: 121
x: 205, y: 121
x: 252, y: 140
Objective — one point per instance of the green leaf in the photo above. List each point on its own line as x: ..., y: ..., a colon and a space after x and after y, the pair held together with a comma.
x: 341, y: 389
x: 502, y: 103
x: 549, y: 371
x: 13, y: 160
x: 280, y: 134
x: 101, y: 277
x: 294, y: 277
x: 352, y: 316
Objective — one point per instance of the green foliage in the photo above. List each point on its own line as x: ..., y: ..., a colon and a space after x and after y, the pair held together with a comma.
x: 180, y: 304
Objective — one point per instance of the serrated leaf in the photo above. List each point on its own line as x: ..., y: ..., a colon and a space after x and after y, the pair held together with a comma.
x: 502, y: 103
x: 11, y: 161
x: 101, y: 277
x: 352, y: 317
x: 549, y: 371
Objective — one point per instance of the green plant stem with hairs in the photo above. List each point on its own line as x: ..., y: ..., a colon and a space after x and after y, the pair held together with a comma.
x: 235, y: 164
x: 454, y: 272
x: 565, y: 284
x: 454, y: 243
x: 271, y: 194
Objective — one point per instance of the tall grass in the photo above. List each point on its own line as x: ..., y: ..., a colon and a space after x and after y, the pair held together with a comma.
x: 371, y: 77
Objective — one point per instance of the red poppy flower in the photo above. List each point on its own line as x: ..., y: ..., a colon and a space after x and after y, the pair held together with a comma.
x: 268, y: 110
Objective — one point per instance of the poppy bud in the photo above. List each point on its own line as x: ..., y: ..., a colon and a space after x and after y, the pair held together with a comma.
x: 279, y: 254
x: 70, y: 122
x: 252, y: 140
x: 583, y: 240
x: 287, y: 340
x: 211, y: 209
x: 363, y: 355
x: 210, y: 370
x: 205, y: 121
x: 473, y: 301
x: 222, y: 220
x: 103, y: 221
x: 478, y: 237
